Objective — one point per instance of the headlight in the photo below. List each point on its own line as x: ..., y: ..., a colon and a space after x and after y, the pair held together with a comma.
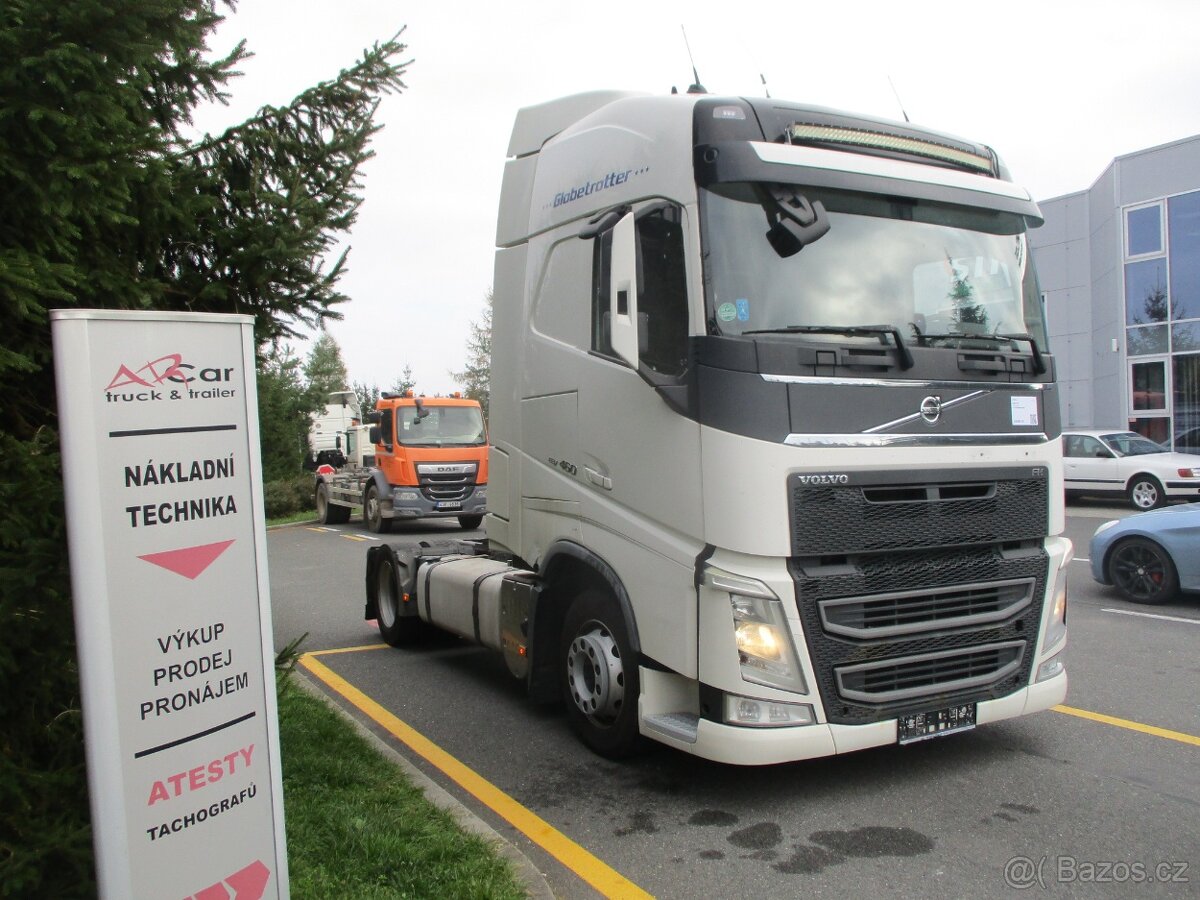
x: 407, y: 497
x: 761, y: 633
x: 1056, y: 627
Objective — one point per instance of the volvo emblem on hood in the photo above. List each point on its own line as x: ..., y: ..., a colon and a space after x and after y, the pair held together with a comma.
x: 931, y: 409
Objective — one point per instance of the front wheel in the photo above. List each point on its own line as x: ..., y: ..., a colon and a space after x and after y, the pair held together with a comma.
x: 600, y: 676
x: 373, y: 511
x: 1146, y: 492
x: 1142, y: 572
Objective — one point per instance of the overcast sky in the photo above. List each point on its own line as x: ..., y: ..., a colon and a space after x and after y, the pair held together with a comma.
x: 1058, y: 87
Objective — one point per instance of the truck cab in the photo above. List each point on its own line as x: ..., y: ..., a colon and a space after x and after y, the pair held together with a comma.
x: 776, y: 469
x: 419, y: 457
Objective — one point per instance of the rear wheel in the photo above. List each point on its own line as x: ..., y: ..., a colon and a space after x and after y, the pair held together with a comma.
x: 1142, y: 571
x: 600, y: 675
x: 329, y: 513
x: 1146, y: 492
x: 466, y: 523
x: 373, y: 511
x: 395, y: 627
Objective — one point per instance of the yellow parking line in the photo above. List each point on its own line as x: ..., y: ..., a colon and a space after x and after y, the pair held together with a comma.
x: 347, y: 650
x: 355, y: 537
x: 1132, y: 726
x: 595, y: 872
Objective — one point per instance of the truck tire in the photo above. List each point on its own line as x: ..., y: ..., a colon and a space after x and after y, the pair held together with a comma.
x: 373, y: 511
x: 395, y: 627
x: 329, y: 513
x: 600, y: 676
x: 467, y: 523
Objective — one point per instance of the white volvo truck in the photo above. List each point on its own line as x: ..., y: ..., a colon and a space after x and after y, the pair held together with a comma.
x: 776, y: 469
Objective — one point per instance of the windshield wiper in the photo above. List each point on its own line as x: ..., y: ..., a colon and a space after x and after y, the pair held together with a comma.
x: 1039, y: 364
x: 879, y: 331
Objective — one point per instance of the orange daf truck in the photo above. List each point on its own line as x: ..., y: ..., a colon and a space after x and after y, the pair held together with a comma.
x: 416, y: 457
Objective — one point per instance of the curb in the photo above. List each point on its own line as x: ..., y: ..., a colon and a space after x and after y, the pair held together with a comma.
x: 536, y: 886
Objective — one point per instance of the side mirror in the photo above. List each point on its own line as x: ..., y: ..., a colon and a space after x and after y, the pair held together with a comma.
x: 374, y: 435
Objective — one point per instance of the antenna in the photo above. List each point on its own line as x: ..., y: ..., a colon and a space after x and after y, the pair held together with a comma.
x: 766, y: 89
x: 899, y: 102
x: 696, y: 87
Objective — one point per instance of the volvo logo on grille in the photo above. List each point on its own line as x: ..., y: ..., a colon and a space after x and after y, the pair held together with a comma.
x: 931, y: 409
x: 823, y: 479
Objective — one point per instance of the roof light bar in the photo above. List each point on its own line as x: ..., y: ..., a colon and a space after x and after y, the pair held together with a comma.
x: 800, y: 132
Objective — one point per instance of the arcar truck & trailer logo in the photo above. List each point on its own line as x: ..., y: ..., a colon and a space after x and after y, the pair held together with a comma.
x: 152, y: 381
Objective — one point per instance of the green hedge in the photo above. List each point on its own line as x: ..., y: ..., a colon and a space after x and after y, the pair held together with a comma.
x: 288, y: 496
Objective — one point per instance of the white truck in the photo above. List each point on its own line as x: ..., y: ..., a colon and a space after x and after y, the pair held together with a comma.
x: 328, y: 428
x: 775, y: 467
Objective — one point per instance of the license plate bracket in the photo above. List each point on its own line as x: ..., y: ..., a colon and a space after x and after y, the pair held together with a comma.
x: 935, y: 723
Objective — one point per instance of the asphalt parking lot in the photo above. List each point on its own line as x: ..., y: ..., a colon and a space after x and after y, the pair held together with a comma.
x: 1099, y: 797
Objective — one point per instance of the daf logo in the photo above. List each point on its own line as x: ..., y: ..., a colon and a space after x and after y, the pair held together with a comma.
x: 931, y: 409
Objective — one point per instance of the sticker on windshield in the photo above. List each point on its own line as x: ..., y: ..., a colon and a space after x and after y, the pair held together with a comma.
x: 743, y: 310
x: 1024, y: 411
x: 726, y: 312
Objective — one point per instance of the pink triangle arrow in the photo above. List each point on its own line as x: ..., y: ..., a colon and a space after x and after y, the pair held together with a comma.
x: 188, y: 561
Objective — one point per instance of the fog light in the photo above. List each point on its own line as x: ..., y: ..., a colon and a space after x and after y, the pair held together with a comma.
x: 755, y: 713
x: 1055, y: 665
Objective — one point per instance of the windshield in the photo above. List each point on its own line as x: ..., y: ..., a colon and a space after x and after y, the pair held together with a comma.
x: 935, y: 273
x: 440, y: 426
x: 1132, y: 444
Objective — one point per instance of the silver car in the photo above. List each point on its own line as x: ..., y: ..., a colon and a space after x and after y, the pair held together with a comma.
x: 1108, y: 462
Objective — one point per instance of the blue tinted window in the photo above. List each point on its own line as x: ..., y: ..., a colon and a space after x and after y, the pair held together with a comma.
x: 1145, y: 230
x: 1186, y: 338
x: 1146, y: 291
x: 1146, y: 341
x: 1183, y: 219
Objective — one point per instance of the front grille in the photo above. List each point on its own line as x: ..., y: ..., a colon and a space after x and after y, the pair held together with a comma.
x: 910, y: 612
x: 442, y: 482
x: 928, y: 673
x: 926, y: 601
x: 874, y: 512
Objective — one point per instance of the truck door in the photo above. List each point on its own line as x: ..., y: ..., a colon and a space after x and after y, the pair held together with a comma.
x: 636, y: 450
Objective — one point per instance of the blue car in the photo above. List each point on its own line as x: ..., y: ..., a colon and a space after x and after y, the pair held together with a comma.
x: 1151, y: 556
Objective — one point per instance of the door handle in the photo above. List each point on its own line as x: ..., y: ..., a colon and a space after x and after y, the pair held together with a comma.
x: 597, y: 479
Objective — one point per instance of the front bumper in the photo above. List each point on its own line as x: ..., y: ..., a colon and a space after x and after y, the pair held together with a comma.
x: 768, y: 746
x: 410, y: 503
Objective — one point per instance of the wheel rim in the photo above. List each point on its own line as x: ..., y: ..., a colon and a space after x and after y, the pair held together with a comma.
x: 387, y: 598
x: 372, y: 507
x: 1139, y: 572
x: 1145, y: 495
x: 322, y: 502
x: 595, y: 674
